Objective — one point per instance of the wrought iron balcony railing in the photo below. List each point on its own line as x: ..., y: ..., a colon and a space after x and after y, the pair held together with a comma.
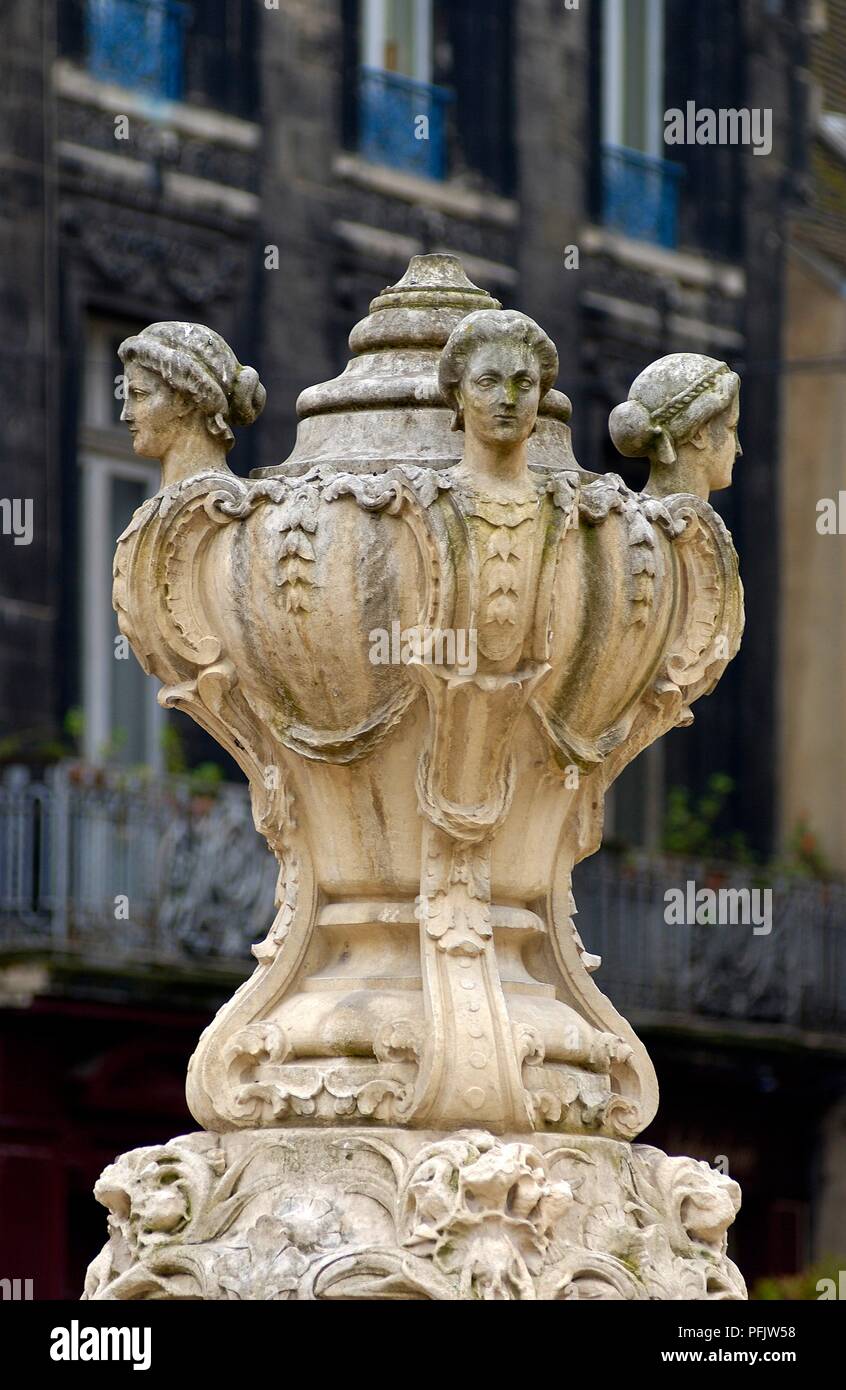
x: 793, y: 976
x: 402, y: 122
x: 640, y: 195
x: 108, y: 870
x: 116, y: 869
x: 138, y: 44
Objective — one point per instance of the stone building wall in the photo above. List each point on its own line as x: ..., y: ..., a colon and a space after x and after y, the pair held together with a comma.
x: 28, y: 372
x: 812, y: 566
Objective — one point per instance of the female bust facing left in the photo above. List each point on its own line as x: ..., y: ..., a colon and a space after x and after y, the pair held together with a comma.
x: 184, y: 389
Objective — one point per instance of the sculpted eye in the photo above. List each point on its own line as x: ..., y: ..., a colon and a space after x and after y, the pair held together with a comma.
x: 486, y: 381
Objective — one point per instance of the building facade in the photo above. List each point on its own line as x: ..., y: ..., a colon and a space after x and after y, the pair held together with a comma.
x: 267, y: 168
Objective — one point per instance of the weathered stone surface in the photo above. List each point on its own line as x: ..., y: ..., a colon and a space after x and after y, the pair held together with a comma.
x: 386, y: 408
x: 430, y: 672
x: 399, y: 1214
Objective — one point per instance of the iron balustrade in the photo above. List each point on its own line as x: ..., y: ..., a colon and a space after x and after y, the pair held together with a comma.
x: 640, y: 195
x: 793, y: 976
x: 109, y: 867
x: 129, y: 868
x: 402, y: 122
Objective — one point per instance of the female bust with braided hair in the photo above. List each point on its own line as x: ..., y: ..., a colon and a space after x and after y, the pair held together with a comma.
x: 184, y: 390
x: 681, y: 414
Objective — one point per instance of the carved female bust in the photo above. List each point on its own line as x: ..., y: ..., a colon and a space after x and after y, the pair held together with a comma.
x: 495, y: 369
x: 681, y: 414
x: 184, y: 390
x: 422, y: 1003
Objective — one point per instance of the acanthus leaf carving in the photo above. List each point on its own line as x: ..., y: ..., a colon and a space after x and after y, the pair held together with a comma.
x: 423, y: 971
x: 457, y: 1217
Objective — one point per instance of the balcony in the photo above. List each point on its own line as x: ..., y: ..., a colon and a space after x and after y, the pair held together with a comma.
x: 122, y: 871
x: 137, y: 44
x: 116, y: 873
x: 640, y: 195
x: 792, y: 980
x: 402, y: 122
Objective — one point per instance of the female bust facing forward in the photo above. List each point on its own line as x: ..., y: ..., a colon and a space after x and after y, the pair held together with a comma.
x: 184, y: 390
x: 681, y: 414
x: 494, y: 371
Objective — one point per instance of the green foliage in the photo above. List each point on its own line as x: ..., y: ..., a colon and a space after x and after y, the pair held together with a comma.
x: 804, y: 858
x: 38, y: 746
x: 32, y: 746
x: 109, y: 751
x: 202, y: 780
x: 691, y: 830
x: 74, y: 724
x: 690, y: 824
x: 801, y: 1286
x: 174, y: 751
x: 205, y: 779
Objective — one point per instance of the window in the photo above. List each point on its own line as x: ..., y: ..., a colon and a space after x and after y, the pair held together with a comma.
x: 397, y: 37
x: 639, y: 186
x: 137, y: 43
x: 401, y: 115
x: 633, y: 75
x: 197, y: 51
x: 635, y: 804
x: 122, y: 721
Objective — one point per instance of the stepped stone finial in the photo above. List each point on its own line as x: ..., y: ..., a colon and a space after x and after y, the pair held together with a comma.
x: 386, y: 406
x: 431, y: 664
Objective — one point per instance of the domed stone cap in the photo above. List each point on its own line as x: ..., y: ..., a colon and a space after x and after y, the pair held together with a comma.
x: 386, y: 407
x: 435, y: 281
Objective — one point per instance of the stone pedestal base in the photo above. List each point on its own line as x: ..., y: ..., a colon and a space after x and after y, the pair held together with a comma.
x: 388, y: 1213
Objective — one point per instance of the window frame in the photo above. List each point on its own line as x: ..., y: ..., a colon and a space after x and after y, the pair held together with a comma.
x: 97, y: 470
x: 373, y: 35
x: 104, y: 454
x: 613, y: 70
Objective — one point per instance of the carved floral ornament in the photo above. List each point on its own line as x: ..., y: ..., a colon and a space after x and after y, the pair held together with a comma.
x: 423, y: 971
x: 466, y: 1216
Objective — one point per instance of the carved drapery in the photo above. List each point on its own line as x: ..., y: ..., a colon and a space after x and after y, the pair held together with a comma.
x: 422, y: 977
x: 547, y: 1048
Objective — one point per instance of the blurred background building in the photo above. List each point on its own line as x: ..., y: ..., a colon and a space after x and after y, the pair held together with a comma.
x: 267, y: 168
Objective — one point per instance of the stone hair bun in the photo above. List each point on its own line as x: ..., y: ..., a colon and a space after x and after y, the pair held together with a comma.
x: 248, y: 397
x: 631, y: 428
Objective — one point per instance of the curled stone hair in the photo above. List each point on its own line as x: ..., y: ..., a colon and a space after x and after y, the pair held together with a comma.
x: 492, y: 326
x: 195, y: 360
x: 669, y: 402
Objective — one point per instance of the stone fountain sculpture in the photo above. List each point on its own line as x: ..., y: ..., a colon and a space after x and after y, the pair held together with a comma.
x: 420, y: 1092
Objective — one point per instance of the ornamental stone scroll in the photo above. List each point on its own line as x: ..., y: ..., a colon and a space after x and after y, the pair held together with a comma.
x: 420, y: 1091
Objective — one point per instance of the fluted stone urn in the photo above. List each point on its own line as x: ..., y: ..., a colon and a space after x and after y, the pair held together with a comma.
x: 431, y: 641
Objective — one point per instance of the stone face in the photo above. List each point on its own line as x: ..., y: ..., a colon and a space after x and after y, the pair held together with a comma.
x: 386, y: 408
x: 430, y: 667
